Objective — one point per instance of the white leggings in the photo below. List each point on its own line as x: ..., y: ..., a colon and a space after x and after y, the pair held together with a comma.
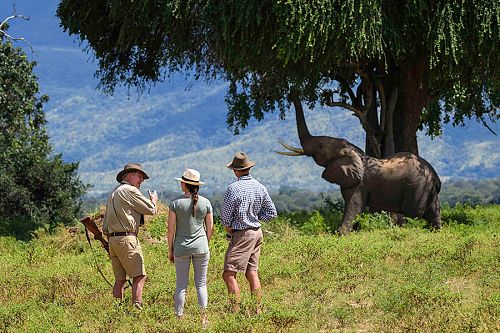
x: 200, y: 264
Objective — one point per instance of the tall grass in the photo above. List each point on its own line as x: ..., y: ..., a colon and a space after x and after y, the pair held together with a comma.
x: 379, y: 279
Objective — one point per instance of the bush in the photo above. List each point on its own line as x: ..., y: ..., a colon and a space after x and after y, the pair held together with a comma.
x: 373, y: 221
x: 469, y: 215
x: 157, y: 226
x: 328, y: 218
x: 332, y: 210
x: 315, y: 224
x: 38, y: 188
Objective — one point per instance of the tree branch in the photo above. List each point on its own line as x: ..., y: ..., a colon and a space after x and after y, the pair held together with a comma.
x: 486, y: 125
x: 3, y: 29
x: 367, y: 91
x: 383, y: 104
x: 359, y: 111
x: 345, y: 85
x: 350, y: 107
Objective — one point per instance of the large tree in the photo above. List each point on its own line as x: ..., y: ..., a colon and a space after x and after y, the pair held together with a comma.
x: 38, y: 188
x: 397, y: 65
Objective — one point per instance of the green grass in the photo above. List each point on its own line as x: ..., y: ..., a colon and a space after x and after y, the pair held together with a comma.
x: 379, y: 279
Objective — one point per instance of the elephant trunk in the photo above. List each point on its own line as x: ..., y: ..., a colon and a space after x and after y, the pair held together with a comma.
x: 302, y: 129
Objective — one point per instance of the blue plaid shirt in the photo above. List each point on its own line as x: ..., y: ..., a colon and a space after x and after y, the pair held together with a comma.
x: 246, y: 203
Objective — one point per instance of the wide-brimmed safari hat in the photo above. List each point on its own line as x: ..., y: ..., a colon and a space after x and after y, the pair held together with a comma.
x: 130, y: 167
x: 191, y: 176
x: 241, y: 161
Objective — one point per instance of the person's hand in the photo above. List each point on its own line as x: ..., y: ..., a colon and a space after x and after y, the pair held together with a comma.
x: 153, y: 196
x: 171, y: 256
x: 229, y: 233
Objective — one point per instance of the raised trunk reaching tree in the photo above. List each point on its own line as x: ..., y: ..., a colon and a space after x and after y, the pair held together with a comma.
x: 302, y: 129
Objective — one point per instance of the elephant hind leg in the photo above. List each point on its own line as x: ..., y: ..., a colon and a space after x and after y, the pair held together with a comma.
x: 433, y: 214
x: 399, y: 219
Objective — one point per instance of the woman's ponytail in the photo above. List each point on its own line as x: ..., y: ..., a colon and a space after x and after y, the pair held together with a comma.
x: 193, y: 189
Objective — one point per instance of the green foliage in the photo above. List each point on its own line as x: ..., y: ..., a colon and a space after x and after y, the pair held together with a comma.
x: 387, y: 280
x: 157, y: 226
x: 39, y: 188
x: 328, y: 218
x: 440, y: 55
x: 374, y: 221
x: 333, y: 210
x: 415, y: 223
x: 314, y: 225
x: 470, y: 215
x: 289, y: 199
x: 324, y: 219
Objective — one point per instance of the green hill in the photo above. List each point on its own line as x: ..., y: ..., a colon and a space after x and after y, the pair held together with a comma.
x: 170, y: 127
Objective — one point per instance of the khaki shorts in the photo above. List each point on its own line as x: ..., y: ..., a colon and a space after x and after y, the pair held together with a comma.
x: 243, y: 251
x: 126, y: 257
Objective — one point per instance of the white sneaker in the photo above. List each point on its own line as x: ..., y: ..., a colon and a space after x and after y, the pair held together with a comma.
x: 204, y: 320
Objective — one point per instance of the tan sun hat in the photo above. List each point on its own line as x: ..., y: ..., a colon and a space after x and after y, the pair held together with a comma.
x: 130, y: 167
x: 241, y: 162
x: 191, y: 176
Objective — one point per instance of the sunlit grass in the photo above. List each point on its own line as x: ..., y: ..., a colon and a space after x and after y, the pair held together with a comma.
x: 384, y: 279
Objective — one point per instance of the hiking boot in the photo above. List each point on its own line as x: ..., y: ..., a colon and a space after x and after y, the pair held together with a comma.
x: 234, y: 303
x: 137, y: 306
x: 234, y: 306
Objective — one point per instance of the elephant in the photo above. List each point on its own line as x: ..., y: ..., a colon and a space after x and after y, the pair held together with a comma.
x: 403, y: 183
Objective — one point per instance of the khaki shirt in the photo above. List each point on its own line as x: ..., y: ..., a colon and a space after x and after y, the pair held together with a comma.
x: 129, y: 204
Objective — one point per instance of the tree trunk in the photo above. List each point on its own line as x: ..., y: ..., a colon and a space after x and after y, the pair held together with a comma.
x: 413, y: 96
x: 371, y: 142
x: 388, y: 139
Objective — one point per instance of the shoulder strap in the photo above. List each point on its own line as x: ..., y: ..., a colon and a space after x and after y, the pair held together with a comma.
x: 113, y: 203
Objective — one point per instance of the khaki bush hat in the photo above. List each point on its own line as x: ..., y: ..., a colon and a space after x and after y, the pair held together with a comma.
x: 240, y: 162
x: 191, y: 176
x: 130, y: 167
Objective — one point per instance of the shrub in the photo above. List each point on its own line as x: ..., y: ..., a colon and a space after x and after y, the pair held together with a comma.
x: 332, y: 211
x: 373, y: 221
x: 38, y: 188
x: 315, y: 224
x: 157, y: 226
x: 467, y: 214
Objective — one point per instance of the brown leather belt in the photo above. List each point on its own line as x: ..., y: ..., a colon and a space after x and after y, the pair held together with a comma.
x: 251, y: 228
x: 114, y: 234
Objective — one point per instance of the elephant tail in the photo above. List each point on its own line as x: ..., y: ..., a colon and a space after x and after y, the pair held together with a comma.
x: 437, y: 183
x: 438, y: 186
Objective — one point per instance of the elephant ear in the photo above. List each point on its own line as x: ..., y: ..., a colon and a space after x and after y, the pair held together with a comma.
x: 347, y: 171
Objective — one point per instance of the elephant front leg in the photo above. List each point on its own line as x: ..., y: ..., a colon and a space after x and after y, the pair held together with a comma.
x: 354, y: 205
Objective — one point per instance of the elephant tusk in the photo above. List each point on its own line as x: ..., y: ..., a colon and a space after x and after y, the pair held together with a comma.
x: 300, y: 151
x: 289, y: 153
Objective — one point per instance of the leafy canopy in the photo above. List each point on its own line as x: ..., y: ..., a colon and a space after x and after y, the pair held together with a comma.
x: 38, y: 188
x: 322, y: 46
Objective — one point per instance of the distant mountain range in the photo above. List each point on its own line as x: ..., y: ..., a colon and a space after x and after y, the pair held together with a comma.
x: 171, y: 128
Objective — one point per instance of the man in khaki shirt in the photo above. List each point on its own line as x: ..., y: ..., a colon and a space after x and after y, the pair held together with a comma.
x: 125, y: 210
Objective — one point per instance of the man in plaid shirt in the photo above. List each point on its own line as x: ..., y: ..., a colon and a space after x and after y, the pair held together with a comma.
x: 246, y: 203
